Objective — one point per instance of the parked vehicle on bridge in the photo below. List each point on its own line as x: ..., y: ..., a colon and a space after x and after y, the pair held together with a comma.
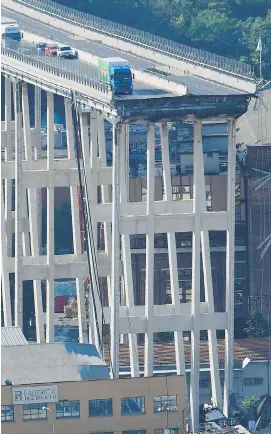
x: 67, y: 52
x: 10, y: 29
x: 51, y: 50
x: 117, y: 73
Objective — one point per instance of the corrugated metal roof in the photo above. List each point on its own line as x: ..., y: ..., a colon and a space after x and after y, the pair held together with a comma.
x: 12, y: 336
x: 51, y: 363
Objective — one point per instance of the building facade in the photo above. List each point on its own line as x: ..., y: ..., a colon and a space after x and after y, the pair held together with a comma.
x: 135, y: 405
x: 253, y: 138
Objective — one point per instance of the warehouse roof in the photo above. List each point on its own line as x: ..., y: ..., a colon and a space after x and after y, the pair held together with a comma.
x: 164, y: 353
x: 12, y: 336
x: 50, y: 363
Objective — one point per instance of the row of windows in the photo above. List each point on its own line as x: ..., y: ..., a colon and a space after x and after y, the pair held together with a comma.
x: 183, y: 240
x: 185, y: 192
x: 97, y: 407
x: 205, y: 382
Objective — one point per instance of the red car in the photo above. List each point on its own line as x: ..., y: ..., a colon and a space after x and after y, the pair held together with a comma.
x: 51, y: 50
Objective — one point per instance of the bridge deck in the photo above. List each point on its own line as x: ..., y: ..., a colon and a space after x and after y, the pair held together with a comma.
x: 196, y: 86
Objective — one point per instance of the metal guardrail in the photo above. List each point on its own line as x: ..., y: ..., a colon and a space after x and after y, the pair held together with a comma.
x: 75, y: 71
x: 141, y: 38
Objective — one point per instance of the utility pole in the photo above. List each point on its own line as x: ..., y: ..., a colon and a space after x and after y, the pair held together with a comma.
x: 260, y: 49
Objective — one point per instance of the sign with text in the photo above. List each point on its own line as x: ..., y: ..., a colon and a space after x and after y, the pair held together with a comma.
x: 34, y: 395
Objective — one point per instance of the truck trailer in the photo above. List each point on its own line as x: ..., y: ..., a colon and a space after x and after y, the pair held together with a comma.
x: 10, y: 29
x: 116, y: 72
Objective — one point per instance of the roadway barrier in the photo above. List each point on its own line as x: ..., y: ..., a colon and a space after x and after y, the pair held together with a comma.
x: 185, y: 66
x: 56, y: 77
x: 140, y: 76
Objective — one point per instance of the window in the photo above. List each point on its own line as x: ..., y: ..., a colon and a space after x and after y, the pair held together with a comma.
x: 180, y: 192
x: 185, y: 287
x: 142, y: 431
x: 67, y: 409
x: 256, y: 381
x: 238, y: 294
x: 144, y: 194
x: 167, y: 431
x: 35, y: 411
x: 185, y: 291
x: 176, y: 192
x: 185, y: 272
x: 205, y: 381
x: 184, y: 240
x: 186, y: 192
x: 7, y: 413
x: 103, y: 432
x: 240, y: 270
x: 189, y: 169
x: 101, y: 407
x: 238, y: 202
x: 164, y: 403
x: 208, y: 195
x: 133, y: 405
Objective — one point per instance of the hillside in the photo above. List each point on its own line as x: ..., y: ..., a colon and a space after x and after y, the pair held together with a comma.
x: 226, y: 27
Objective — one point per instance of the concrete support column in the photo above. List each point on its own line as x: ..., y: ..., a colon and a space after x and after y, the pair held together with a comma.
x: 114, y: 327
x: 18, y: 207
x: 229, y: 332
x: 94, y: 171
x: 82, y: 322
x: 33, y: 219
x: 105, y: 197
x: 209, y: 294
x: 172, y: 251
x: 195, y: 332
x: 8, y: 157
x: 148, y: 369
x: 4, y: 267
x: 50, y: 308
x: 126, y: 249
x: 37, y: 153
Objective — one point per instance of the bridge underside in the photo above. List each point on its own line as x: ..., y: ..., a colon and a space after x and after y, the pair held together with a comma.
x: 101, y: 196
x: 169, y: 109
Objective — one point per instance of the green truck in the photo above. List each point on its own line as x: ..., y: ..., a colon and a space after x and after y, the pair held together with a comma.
x: 116, y: 72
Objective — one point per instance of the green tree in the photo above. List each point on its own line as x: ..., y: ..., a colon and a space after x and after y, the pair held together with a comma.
x: 253, y: 29
x: 249, y: 403
x: 215, y: 31
x: 257, y: 327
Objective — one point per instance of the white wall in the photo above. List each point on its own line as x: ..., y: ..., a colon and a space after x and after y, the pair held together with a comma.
x: 257, y: 370
x: 211, y: 164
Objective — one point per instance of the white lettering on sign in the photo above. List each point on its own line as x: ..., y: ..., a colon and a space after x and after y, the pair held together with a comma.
x: 32, y: 395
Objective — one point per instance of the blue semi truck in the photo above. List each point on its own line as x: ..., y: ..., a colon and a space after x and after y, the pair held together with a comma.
x: 117, y: 73
x: 10, y: 29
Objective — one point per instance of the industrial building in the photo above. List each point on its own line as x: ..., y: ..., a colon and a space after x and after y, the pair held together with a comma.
x: 66, y: 387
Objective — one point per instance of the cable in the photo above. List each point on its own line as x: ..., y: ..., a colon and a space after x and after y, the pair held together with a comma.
x: 88, y: 229
x: 78, y: 151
